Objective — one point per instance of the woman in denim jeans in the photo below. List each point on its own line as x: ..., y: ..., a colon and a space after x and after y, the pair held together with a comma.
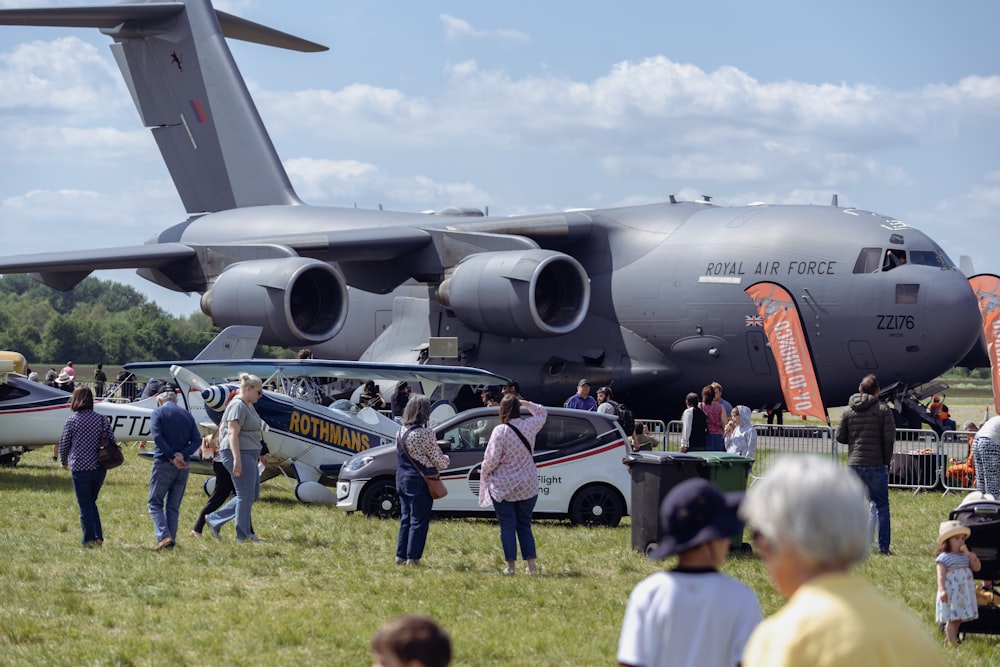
x: 417, y: 455
x: 510, y: 479
x: 78, y: 447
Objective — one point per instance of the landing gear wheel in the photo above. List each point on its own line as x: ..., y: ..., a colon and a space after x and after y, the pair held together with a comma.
x: 380, y: 500
x: 597, y: 505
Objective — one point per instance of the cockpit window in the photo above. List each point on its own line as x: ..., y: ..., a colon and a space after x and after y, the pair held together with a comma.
x: 869, y: 260
x: 928, y: 258
x: 893, y: 257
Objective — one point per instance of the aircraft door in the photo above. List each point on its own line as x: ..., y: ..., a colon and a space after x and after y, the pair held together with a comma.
x: 758, y: 353
x: 862, y: 355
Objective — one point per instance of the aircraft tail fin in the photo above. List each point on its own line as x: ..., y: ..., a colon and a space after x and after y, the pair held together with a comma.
x: 237, y: 341
x: 187, y: 88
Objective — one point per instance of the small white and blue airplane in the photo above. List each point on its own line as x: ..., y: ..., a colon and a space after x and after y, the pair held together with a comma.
x: 307, y: 441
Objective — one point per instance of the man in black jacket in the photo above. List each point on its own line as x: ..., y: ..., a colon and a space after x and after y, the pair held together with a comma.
x: 869, y: 431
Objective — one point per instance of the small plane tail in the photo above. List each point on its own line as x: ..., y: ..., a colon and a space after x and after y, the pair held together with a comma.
x: 237, y: 341
x: 187, y: 88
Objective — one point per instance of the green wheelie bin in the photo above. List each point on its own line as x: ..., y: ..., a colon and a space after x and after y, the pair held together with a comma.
x: 729, y: 472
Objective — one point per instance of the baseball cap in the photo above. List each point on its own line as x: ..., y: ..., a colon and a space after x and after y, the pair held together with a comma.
x: 695, y: 512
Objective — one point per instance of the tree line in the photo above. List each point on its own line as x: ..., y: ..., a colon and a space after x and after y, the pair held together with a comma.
x: 98, y: 321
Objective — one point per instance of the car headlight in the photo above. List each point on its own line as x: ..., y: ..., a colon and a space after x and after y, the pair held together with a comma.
x: 357, y: 463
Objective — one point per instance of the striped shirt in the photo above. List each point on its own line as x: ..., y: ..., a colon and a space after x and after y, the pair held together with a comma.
x: 81, y: 438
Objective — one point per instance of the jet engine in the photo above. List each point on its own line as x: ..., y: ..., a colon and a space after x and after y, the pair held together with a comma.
x: 296, y: 300
x: 521, y: 294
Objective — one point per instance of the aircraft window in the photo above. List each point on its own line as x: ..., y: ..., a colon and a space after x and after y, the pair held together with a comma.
x: 906, y: 294
x: 893, y: 258
x: 868, y: 260
x: 927, y: 258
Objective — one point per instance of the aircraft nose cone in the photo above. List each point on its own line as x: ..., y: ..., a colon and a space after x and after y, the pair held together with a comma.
x: 215, y: 397
x: 954, y: 323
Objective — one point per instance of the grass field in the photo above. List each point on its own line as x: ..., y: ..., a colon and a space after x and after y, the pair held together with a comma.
x: 316, y: 592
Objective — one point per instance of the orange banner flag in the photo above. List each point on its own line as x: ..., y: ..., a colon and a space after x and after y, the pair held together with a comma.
x: 987, y: 289
x: 783, y: 327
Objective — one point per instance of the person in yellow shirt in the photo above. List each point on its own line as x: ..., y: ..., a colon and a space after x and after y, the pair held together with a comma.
x: 811, y: 529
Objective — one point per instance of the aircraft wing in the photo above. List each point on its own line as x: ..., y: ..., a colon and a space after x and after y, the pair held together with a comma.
x: 361, y: 370
x: 64, y: 270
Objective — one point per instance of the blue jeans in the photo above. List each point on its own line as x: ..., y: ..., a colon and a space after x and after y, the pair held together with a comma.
x: 87, y: 484
x: 166, y: 490
x: 715, y: 442
x: 415, y: 505
x: 515, y: 526
x: 247, y: 487
x: 876, y: 480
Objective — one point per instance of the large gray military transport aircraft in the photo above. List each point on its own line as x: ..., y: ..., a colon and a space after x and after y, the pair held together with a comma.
x: 649, y: 299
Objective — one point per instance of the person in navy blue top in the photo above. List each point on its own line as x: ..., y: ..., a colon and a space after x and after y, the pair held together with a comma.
x: 582, y: 400
x: 175, y: 438
x: 78, y: 446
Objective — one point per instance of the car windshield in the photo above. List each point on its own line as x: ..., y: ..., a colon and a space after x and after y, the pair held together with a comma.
x: 560, y: 431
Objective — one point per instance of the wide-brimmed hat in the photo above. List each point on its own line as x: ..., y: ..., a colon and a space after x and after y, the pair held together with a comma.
x: 975, y: 497
x: 695, y: 512
x: 950, y: 529
x: 64, y: 378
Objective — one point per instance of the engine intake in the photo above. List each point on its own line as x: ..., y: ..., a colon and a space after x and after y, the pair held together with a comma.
x: 296, y: 300
x: 521, y: 294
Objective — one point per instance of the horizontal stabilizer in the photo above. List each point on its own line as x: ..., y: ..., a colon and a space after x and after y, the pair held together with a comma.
x: 110, y: 16
x: 98, y: 16
x: 236, y: 28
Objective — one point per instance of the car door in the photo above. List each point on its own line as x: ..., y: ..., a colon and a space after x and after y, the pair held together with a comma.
x: 468, y: 440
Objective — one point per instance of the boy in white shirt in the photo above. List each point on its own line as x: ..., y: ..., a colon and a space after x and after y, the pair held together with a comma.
x: 692, y: 615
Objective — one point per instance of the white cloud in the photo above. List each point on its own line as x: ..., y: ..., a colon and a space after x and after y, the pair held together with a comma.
x: 456, y: 28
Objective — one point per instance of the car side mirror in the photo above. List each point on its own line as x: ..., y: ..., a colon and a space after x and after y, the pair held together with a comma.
x: 445, y: 445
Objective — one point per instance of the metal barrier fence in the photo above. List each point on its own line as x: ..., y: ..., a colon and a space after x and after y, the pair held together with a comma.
x: 921, y: 460
x: 958, y: 474
x: 656, y: 428
x: 777, y: 440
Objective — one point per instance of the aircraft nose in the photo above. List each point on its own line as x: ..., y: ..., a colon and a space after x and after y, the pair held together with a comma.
x: 954, y: 323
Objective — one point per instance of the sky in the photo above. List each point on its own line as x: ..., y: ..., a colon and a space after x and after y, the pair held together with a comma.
x: 527, y: 107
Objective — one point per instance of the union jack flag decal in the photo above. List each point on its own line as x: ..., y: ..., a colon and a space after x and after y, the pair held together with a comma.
x: 754, y: 321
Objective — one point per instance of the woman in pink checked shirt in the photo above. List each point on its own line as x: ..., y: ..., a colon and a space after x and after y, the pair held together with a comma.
x: 510, y: 480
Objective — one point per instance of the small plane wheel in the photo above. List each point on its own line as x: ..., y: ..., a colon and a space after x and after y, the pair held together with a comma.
x: 379, y: 499
x: 597, y: 505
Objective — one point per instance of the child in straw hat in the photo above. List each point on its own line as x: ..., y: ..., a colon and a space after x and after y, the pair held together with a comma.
x: 956, y: 598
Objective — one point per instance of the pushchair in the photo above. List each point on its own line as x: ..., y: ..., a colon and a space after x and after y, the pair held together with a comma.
x: 982, y: 517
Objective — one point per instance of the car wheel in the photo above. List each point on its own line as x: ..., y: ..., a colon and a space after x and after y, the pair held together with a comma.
x: 379, y: 499
x: 597, y: 505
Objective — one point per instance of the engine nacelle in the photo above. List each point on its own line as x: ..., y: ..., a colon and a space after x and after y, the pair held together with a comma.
x: 296, y: 300
x: 518, y: 293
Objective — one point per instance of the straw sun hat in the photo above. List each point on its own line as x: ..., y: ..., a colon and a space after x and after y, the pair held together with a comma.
x: 950, y: 529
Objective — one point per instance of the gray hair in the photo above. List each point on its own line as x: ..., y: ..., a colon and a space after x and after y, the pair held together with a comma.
x: 166, y: 395
x: 417, y: 410
x: 813, y: 505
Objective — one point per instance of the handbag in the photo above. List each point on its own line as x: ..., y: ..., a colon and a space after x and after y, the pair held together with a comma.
x: 435, y: 486
x: 109, y: 454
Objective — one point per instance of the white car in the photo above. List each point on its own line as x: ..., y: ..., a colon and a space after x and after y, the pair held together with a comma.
x: 578, y: 453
